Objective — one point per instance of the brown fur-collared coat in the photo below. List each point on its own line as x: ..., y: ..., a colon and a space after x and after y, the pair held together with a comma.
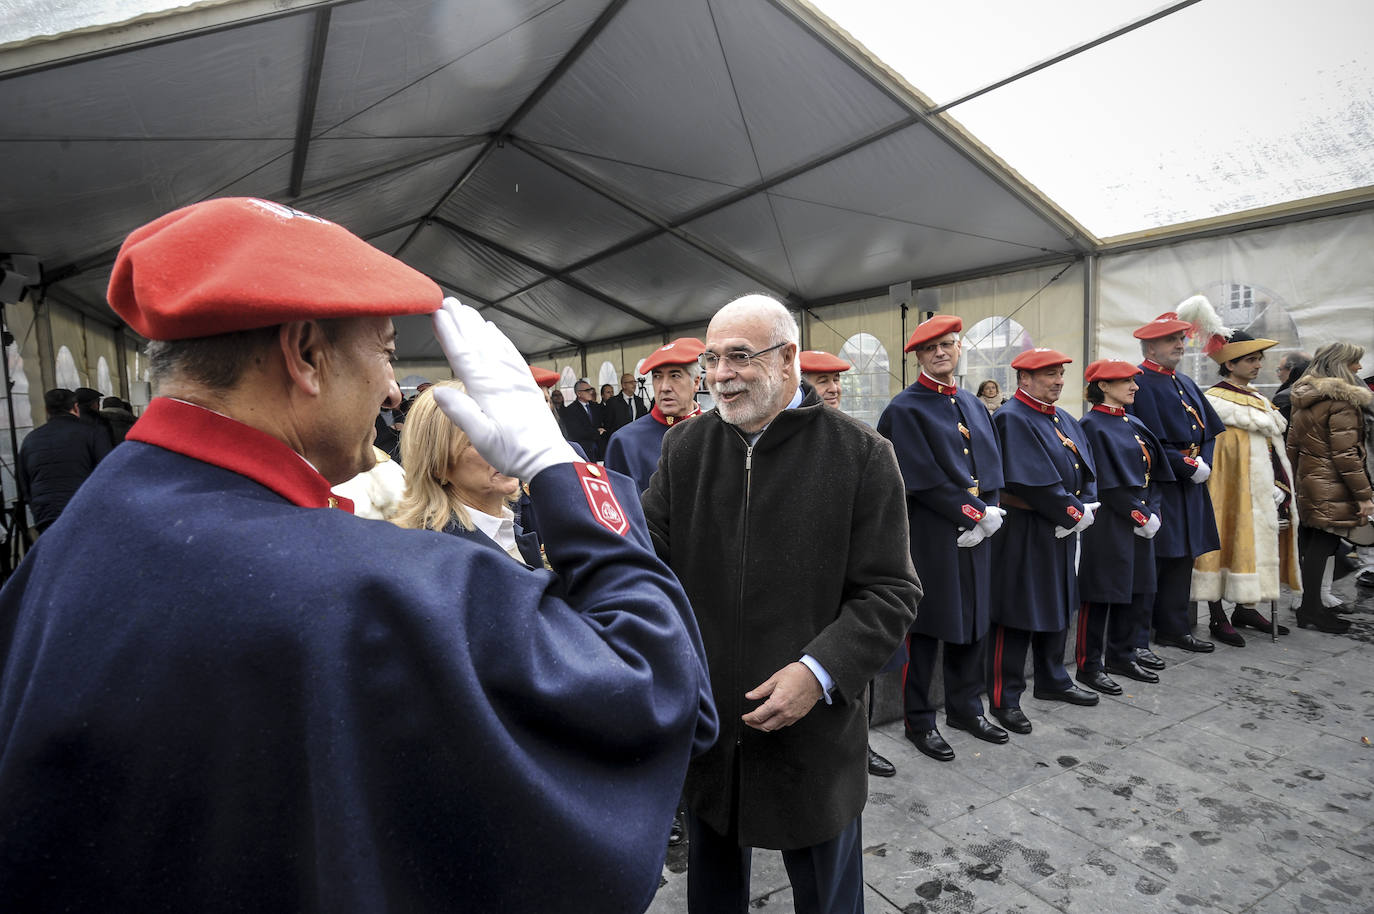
x: 1327, y: 447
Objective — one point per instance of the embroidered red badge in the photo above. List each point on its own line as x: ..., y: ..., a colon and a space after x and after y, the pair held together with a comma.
x: 1190, y: 461
x: 1140, y: 519
x: 601, y: 498
x: 972, y: 513
x: 1075, y: 514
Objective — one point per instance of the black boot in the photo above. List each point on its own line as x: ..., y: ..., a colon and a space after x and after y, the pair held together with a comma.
x: 1323, y: 620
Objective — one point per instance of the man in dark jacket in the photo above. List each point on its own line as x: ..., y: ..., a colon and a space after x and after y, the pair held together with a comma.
x: 799, y: 573
x: 626, y: 406
x: 583, y: 422
x: 56, y: 457
x: 1290, y: 368
x: 119, y: 417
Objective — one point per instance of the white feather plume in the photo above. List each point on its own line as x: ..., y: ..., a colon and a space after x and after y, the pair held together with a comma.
x: 1199, y: 312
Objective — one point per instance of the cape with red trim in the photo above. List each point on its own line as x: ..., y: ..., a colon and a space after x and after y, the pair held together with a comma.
x: 226, y: 695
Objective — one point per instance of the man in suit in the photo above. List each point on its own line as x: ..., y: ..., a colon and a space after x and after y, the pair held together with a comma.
x: 583, y: 422
x: 625, y: 407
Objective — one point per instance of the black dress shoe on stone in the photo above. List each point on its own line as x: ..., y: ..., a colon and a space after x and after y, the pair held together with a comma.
x: 878, y: 766
x: 1249, y: 617
x: 1014, y: 719
x: 931, y: 743
x: 1226, y: 633
x: 979, y: 727
x: 1148, y: 659
x: 1098, y: 680
x: 1186, y: 642
x: 1134, y: 671
x: 1073, y: 695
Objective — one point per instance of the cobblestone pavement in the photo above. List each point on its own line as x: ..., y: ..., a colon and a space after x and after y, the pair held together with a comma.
x: 1242, y: 782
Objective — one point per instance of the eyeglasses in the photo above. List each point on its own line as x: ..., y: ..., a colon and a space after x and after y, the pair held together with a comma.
x: 946, y: 346
x: 737, y: 359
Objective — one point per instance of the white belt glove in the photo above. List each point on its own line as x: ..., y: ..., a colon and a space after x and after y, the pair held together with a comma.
x: 1084, y: 522
x: 992, y: 520
x: 970, y: 538
x: 1149, y: 528
x: 503, y: 412
x: 1279, y: 495
x: 1202, y: 472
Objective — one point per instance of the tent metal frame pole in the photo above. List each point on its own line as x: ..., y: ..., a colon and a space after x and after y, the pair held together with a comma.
x: 550, y: 273
x: 309, y: 97
x: 498, y: 138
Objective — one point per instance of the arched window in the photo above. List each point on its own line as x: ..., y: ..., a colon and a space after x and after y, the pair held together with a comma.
x: 865, y: 387
x: 1260, y: 313
x: 607, y: 374
x: 567, y: 380
x: 66, y: 375
x: 989, y: 346
x: 103, y: 383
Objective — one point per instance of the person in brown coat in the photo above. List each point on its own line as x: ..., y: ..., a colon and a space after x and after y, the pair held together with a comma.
x: 1326, y: 446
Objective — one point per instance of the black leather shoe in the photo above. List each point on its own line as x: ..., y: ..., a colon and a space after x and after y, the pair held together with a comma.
x: 1187, y: 642
x: 878, y: 766
x: 1149, y: 659
x: 1134, y: 671
x: 931, y: 743
x: 1098, y: 680
x: 1073, y: 695
x: 1014, y: 719
x: 679, y: 829
x: 1226, y: 633
x: 979, y: 727
x: 1249, y: 617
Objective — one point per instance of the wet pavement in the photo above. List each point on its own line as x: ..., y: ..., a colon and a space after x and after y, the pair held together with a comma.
x: 1242, y: 782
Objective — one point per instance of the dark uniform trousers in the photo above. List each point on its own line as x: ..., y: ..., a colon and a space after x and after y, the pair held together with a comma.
x: 965, y: 675
x: 1174, y: 613
x: 1007, y: 663
x: 827, y: 878
x: 1122, y: 626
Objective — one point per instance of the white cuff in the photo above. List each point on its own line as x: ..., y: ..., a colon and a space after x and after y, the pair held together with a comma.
x: 821, y: 675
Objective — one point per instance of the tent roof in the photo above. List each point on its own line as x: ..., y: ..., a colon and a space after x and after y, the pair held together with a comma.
x: 583, y: 170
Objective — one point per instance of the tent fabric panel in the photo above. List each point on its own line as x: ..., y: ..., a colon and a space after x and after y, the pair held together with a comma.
x: 240, y: 84
x: 80, y: 199
x: 652, y: 90
x: 794, y: 112
x: 748, y: 230
x: 506, y: 51
x: 341, y: 158
x: 915, y: 176
x: 388, y: 242
x: 518, y: 202
x: 666, y: 277
x: 89, y: 287
x: 664, y: 194
x: 479, y: 269
x: 582, y: 316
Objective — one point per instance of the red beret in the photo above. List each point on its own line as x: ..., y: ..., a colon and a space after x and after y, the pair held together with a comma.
x: 237, y: 263
x: 543, y: 377
x: 1167, y: 324
x: 1035, y: 359
x: 814, y: 361
x: 933, y: 329
x: 1109, y: 370
x: 682, y: 351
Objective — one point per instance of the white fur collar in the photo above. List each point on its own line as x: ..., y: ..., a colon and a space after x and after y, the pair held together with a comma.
x: 1260, y: 418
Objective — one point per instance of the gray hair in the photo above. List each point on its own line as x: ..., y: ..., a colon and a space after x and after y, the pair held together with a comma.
x: 1334, y: 360
x: 781, y: 322
x: 217, y: 362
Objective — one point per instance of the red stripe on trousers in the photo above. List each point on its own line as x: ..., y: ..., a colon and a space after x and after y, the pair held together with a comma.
x: 997, y: 671
x: 1081, y: 652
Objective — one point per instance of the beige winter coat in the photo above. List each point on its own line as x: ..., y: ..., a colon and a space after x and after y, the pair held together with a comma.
x: 1326, y: 446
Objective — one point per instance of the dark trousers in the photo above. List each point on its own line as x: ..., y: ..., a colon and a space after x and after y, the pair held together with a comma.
x: 1314, y: 548
x: 1007, y: 663
x: 964, y: 673
x: 1111, y: 629
x: 1174, y: 614
x: 827, y: 878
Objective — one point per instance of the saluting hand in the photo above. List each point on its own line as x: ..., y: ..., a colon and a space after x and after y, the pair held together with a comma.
x: 791, y: 692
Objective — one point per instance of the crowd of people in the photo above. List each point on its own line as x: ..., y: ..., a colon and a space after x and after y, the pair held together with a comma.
x: 573, y: 620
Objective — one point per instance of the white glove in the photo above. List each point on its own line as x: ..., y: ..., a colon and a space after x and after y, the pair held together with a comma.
x: 1202, y: 472
x: 992, y: 520
x: 970, y: 538
x: 1279, y: 495
x: 1150, y: 528
x: 526, y: 438
x: 1084, y: 522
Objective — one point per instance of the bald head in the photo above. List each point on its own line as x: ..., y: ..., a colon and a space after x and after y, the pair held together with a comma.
x: 751, y: 353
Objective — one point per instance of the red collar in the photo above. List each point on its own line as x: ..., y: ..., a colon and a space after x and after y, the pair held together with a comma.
x: 930, y: 383
x: 1151, y: 365
x: 1227, y: 385
x: 209, y: 437
x: 1109, y: 410
x: 673, y: 420
x: 1037, y: 405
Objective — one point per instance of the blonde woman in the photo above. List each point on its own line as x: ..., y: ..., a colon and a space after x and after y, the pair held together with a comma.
x: 452, y: 489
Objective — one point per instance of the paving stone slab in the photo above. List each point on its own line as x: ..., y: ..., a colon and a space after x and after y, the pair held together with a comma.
x: 927, y: 873
x: 1166, y: 699
x: 1105, y: 882
x: 1022, y: 846
x: 1340, y: 885
x: 1206, y: 751
x: 1341, y: 803
x: 1257, y: 727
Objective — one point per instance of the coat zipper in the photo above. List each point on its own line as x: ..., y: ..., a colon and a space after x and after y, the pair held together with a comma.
x: 739, y: 602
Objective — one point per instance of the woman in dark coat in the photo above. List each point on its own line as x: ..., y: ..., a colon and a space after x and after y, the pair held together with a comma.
x: 1328, y: 450
x: 1116, y: 573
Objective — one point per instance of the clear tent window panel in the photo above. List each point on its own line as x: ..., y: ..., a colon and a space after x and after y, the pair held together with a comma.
x: 866, y: 384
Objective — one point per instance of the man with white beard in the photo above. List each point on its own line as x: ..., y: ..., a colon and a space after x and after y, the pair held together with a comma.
x: 799, y: 573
